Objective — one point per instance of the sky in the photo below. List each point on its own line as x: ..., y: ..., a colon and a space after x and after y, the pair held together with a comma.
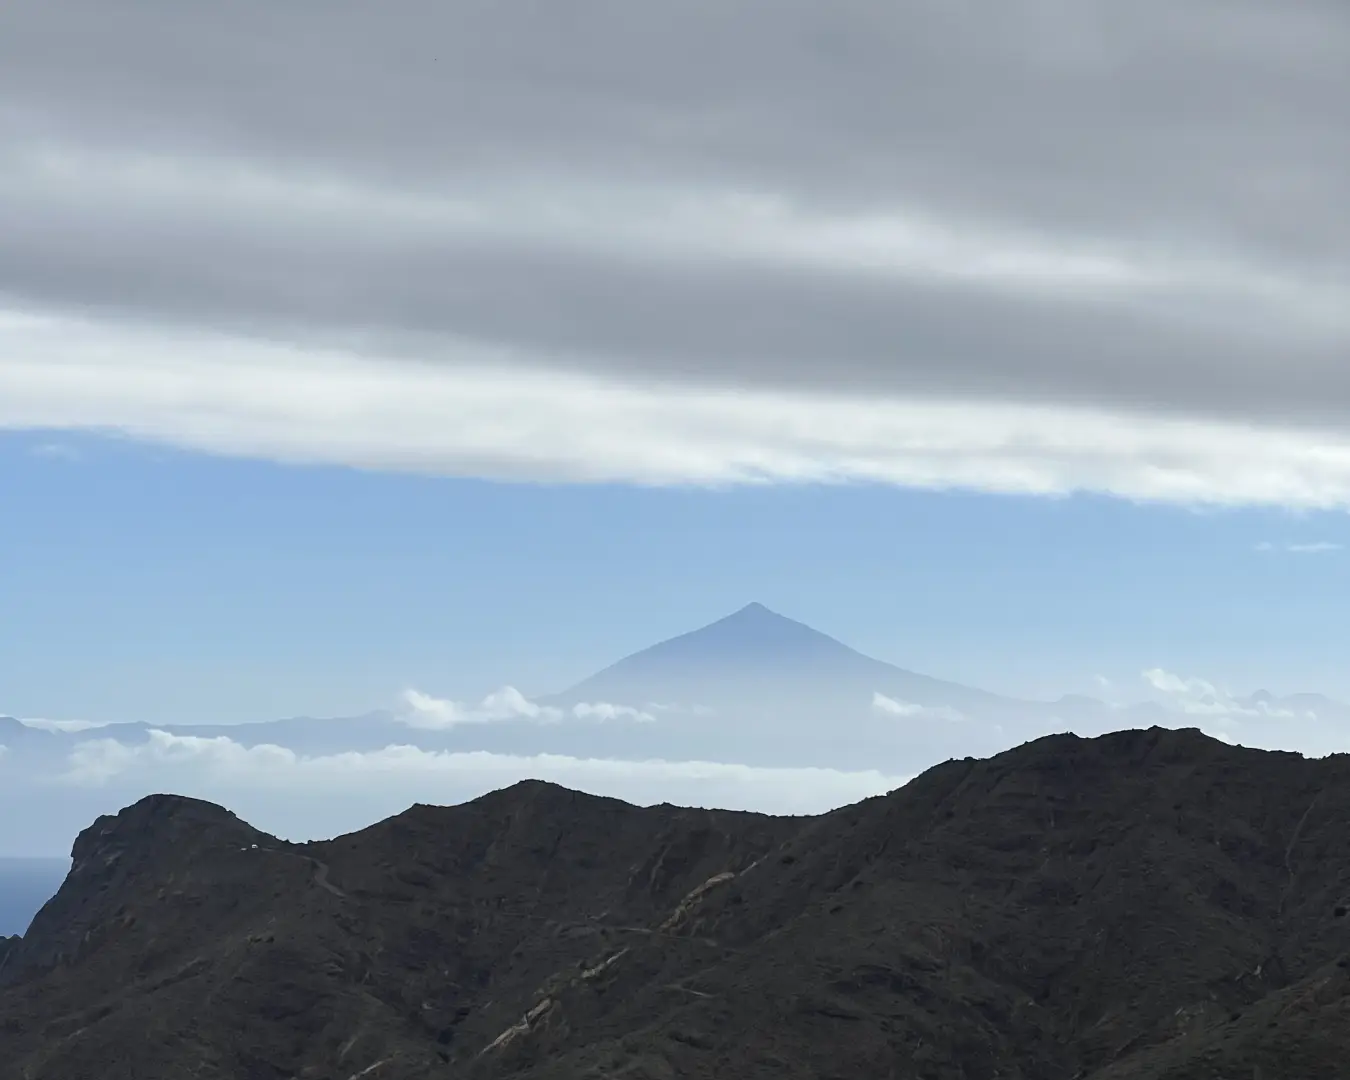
x: 170, y: 587
x: 351, y: 348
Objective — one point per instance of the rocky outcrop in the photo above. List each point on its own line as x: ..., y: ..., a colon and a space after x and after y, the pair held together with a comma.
x: 7, y: 946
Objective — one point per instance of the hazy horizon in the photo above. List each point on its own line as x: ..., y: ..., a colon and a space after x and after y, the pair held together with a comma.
x: 755, y: 711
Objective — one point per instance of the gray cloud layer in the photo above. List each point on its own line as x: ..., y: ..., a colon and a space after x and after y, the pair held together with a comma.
x: 1123, y: 204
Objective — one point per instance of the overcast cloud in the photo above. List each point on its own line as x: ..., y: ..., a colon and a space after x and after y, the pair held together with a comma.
x: 1033, y: 245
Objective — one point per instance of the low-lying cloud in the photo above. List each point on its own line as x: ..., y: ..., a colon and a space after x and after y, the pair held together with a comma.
x: 437, y: 714
x: 891, y: 707
x: 1199, y: 697
x: 411, y: 773
x: 603, y: 710
x: 425, y: 711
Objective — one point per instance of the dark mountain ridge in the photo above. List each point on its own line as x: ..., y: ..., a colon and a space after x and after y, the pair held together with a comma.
x: 1148, y: 905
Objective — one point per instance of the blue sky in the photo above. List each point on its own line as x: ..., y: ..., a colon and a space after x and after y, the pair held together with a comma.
x: 144, y: 583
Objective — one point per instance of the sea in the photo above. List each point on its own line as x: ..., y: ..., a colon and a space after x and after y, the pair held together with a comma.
x: 25, y: 885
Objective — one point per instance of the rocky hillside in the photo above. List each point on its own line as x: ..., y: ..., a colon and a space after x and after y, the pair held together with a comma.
x: 1150, y: 905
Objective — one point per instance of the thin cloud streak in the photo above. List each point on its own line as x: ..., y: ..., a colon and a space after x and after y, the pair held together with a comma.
x: 1316, y: 547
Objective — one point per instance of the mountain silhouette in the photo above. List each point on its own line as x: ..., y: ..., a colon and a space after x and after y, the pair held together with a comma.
x: 758, y: 655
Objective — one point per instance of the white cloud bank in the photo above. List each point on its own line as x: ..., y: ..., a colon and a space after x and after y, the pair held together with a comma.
x: 603, y: 710
x: 431, y: 713
x: 1199, y: 697
x: 890, y: 707
x: 492, y: 414
x: 192, y: 764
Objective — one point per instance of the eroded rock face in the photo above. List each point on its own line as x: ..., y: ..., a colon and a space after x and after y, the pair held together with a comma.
x: 1145, y: 906
x: 166, y: 848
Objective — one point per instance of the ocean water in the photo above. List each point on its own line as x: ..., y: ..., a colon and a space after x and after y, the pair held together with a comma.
x: 25, y: 885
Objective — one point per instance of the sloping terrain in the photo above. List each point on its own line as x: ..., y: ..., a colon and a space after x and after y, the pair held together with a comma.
x: 1149, y: 905
x: 756, y: 652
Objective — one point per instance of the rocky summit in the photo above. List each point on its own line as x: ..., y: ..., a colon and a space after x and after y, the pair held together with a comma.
x: 1148, y: 905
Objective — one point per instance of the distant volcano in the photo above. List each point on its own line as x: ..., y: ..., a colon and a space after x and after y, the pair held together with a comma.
x: 757, y: 655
